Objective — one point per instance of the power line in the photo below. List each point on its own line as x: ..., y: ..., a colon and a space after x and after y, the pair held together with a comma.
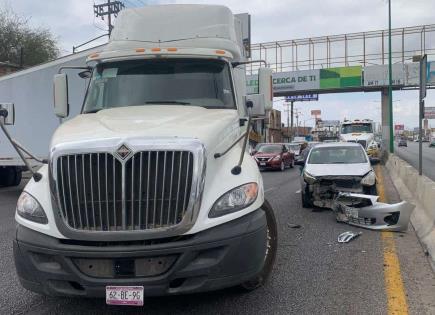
x: 108, y: 9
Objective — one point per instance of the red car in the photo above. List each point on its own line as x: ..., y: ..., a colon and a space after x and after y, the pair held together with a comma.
x: 274, y: 156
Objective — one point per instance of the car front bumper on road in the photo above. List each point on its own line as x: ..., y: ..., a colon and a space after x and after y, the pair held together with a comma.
x: 223, y: 256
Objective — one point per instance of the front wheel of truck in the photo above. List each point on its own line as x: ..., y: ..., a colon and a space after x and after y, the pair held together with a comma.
x: 270, y: 254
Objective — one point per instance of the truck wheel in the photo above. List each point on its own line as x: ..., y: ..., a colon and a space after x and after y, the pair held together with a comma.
x: 269, y: 259
x: 306, y: 200
x: 10, y: 176
x: 18, y: 177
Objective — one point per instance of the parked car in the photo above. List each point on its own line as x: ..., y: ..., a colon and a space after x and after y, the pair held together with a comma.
x: 402, y: 143
x: 335, y: 167
x: 274, y: 156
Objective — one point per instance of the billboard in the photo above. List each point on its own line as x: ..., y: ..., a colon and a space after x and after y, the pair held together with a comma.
x: 302, y: 97
x: 342, y: 77
x: 429, y: 112
x: 378, y: 75
x: 302, y: 80
x: 412, y: 73
x: 316, y: 112
x: 399, y: 127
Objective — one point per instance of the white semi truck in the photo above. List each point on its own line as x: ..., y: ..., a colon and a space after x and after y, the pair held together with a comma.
x: 150, y: 190
x: 361, y: 131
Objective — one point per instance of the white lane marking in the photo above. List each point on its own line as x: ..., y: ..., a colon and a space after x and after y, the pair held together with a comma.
x: 298, y: 191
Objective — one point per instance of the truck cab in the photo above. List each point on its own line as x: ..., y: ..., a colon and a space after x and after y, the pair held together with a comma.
x: 151, y: 186
x: 362, y: 132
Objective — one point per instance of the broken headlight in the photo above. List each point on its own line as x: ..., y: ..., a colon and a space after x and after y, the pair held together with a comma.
x: 29, y: 208
x: 369, y: 179
x: 308, y: 178
x: 234, y: 200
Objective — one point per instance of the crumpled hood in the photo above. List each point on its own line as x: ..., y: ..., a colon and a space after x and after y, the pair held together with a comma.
x: 210, y: 126
x: 358, y: 169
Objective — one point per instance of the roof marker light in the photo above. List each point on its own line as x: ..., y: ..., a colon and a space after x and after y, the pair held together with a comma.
x: 95, y: 55
x: 156, y: 49
x: 220, y: 52
x: 172, y: 49
x: 140, y: 50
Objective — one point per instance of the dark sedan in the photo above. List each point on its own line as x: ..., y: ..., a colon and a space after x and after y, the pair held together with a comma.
x: 274, y: 156
x: 402, y: 143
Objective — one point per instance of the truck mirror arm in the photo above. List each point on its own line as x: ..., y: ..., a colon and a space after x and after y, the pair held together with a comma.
x: 3, y: 114
x: 236, y: 170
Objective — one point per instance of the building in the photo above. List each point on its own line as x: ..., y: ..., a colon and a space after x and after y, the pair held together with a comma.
x: 273, y: 126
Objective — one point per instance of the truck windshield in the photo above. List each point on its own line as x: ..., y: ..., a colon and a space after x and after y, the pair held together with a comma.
x: 362, y: 128
x: 193, y: 82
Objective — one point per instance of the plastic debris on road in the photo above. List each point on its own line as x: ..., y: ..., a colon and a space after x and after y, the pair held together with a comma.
x: 347, y: 236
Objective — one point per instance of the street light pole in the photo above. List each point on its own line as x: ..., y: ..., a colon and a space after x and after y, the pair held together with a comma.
x: 390, y: 81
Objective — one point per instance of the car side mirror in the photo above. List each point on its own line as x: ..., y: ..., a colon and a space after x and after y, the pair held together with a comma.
x: 258, y: 109
x: 374, y: 161
x: 7, y: 113
x: 60, y: 87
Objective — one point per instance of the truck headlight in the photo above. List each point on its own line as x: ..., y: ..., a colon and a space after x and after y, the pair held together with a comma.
x: 369, y: 179
x: 308, y: 178
x: 30, y: 209
x: 234, y: 200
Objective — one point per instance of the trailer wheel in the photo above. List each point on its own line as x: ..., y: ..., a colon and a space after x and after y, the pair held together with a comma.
x: 10, y: 176
x: 270, y: 254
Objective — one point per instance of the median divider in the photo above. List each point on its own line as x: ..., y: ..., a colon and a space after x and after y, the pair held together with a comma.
x: 419, y: 190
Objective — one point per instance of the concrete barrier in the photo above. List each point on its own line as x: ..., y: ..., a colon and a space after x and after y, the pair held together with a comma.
x: 420, y: 191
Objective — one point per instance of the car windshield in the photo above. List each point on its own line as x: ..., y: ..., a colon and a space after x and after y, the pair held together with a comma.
x: 270, y: 148
x: 362, y: 128
x: 194, y: 82
x: 337, y: 155
x: 295, y: 147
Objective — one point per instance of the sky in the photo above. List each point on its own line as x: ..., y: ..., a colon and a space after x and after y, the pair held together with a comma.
x: 73, y: 22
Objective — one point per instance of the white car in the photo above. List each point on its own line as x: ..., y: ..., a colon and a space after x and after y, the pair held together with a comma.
x: 331, y: 168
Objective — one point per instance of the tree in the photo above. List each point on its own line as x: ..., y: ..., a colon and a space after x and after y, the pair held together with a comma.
x: 21, y: 43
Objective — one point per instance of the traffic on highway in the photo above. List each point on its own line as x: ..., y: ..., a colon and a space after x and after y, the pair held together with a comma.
x: 174, y: 167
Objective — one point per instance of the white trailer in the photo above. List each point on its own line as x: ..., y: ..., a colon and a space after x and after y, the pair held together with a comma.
x: 31, y: 93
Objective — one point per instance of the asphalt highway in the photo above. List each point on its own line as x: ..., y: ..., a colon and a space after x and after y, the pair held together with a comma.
x: 313, y: 274
x: 410, y: 154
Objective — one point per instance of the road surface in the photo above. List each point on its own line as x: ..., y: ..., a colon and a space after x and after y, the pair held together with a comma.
x: 410, y: 154
x: 313, y: 273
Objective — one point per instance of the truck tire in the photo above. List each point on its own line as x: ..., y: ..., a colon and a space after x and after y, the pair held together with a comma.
x: 272, y: 244
x: 10, y: 176
x: 307, y: 202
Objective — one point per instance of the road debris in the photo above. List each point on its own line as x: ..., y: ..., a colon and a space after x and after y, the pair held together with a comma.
x: 347, y: 236
x: 294, y: 226
x: 365, y: 211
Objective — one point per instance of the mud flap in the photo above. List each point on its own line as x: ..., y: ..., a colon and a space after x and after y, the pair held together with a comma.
x: 365, y: 211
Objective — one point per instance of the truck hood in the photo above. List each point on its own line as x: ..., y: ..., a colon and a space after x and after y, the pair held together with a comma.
x: 358, y: 169
x: 210, y: 126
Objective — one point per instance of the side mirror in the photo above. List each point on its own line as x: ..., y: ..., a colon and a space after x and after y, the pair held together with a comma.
x: 374, y: 161
x: 60, y: 86
x: 258, y: 109
x: 265, y: 86
x: 7, y: 113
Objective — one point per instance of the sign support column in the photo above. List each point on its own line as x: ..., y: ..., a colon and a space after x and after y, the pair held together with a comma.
x: 422, y: 95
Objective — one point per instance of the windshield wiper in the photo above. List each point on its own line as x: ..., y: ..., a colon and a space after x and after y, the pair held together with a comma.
x: 168, y: 102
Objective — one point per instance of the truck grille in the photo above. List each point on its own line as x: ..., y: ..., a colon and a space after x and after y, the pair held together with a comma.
x: 150, y: 190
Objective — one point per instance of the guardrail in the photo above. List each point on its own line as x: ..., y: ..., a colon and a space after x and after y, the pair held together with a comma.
x: 420, y: 190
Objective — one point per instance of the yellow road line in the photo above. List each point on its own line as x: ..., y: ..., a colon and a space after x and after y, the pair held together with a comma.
x: 394, y: 287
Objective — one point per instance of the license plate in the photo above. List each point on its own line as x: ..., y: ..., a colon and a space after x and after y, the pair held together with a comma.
x: 124, y: 295
x: 351, y: 213
x: 262, y: 164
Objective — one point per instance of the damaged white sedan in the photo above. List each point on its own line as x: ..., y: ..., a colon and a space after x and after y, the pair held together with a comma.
x: 331, y: 168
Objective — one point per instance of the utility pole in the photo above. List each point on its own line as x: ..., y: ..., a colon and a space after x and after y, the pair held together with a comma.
x: 390, y: 81
x: 109, y: 8
x: 291, y: 128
